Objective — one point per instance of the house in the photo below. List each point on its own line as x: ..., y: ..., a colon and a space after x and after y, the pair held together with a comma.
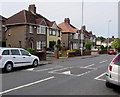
x: 54, y: 34
x: 70, y: 35
x: 28, y: 29
x: 108, y: 41
x: 2, y: 31
x: 88, y: 37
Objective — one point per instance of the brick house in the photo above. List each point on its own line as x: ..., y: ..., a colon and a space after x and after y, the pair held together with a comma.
x: 2, y: 31
x: 70, y: 35
x: 88, y: 37
x: 27, y: 29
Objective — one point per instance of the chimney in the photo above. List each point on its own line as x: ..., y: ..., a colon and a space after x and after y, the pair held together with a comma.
x: 32, y: 8
x: 84, y: 28
x: 113, y: 37
x: 90, y: 32
x: 67, y: 20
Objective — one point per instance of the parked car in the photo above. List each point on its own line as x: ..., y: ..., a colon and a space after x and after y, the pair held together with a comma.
x: 113, y: 73
x: 16, y: 57
x: 112, y: 51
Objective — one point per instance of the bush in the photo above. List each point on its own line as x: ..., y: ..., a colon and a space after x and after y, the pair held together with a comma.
x: 77, y: 50
x: 68, y: 51
x: 30, y: 50
x: 88, y: 46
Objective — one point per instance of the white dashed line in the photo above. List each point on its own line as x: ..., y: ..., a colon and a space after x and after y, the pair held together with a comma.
x: 103, y: 61
x: 6, y: 91
x: 89, y: 66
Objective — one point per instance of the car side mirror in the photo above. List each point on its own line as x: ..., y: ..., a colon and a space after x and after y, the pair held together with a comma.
x: 29, y: 54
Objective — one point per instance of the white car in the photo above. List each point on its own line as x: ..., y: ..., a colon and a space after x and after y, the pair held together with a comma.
x: 16, y: 57
x: 113, y: 74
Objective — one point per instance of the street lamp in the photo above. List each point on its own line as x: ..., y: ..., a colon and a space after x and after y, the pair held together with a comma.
x: 82, y: 35
x: 109, y: 21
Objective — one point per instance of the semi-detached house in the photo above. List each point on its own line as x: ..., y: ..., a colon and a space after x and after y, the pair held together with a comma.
x: 70, y: 35
x: 27, y: 29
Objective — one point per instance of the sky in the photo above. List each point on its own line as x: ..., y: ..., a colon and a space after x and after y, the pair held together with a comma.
x: 97, y: 13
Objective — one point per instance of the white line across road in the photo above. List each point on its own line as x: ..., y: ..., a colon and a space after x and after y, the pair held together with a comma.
x: 33, y: 83
x: 89, y: 66
x: 103, y: 61
x: 99, y: 77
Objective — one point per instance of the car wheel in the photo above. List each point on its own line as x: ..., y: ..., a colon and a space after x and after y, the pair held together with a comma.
x: 108, y: 85
x: 35, y: 63
x: 8, y: 67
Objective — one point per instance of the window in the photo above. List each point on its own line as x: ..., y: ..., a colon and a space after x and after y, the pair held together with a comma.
x: 40, y: 45
x: 50, y: 31
x: 53, y: 32
x: 6, y: 52
x: 23, y: 52
x: 15, y: 52
x: 41, y: 30
x: 76, y: 36
x: 30, y: 29
x: 58, y: 33
x: 117, y: 62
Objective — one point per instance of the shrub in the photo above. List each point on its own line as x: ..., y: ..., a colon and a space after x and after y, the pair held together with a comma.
x: 78, y: 50
x: 30, y: 50
x: 88, y: 46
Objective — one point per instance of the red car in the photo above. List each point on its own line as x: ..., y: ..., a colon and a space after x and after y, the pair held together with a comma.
x: 112, y: 51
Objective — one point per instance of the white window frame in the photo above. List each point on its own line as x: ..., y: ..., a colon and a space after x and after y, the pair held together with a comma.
x: 30, y: 29
x: 38, y: 45
x: 41, y: 30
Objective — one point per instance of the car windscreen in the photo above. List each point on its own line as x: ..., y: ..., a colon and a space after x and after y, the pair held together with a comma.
x: 111, y: 50
x: 117, y: 62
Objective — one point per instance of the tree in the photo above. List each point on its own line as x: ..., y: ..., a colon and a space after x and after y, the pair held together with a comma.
x: 102, y: 38
x: 88, y: 45
x: 116, y: 44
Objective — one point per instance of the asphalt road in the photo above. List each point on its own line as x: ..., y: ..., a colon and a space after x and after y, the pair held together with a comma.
x: 73, y: 76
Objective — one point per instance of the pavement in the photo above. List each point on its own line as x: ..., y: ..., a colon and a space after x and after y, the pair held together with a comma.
x: 51, y: 60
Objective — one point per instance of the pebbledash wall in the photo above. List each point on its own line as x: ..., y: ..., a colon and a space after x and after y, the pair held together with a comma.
x: 119, y: 19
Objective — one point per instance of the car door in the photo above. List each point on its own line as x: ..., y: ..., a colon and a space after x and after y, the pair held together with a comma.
x: 26, y: 56
x: 16, y: 57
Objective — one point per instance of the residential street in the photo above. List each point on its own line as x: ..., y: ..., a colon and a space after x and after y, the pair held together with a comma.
x: 68, y: 76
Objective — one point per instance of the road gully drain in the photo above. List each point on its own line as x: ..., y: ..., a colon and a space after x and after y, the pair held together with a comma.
x: 75, y: 71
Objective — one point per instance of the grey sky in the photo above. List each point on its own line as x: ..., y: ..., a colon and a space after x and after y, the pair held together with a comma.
x: 96, y: 14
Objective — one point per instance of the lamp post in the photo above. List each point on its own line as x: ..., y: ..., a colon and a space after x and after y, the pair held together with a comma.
x: 109, y: 21
x: 82, y: 32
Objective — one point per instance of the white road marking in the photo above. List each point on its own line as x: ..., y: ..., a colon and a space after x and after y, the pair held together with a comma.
x: 30, y: 69
x: 98, y: 77
x: 60, y: 69
x: 67, y: 72
x: 9, y: 90
x: 48, y: 69
x: 89, y: 66
x: 103, y: 61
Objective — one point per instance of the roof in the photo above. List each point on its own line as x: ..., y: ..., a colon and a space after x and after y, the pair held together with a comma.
x: 110, y: 40
x: 2, y: 18
x: 27, y: 17
x: 67, y: 27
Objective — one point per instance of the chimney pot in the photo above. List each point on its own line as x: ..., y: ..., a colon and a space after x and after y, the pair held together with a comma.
x: 67, y: 20
x: 32, y: 8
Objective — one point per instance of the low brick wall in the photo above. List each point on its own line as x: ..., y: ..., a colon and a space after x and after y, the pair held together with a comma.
x: 85, y: 53
x: 73, y: 54
x: 94, y: 52
x: 103, y: 52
